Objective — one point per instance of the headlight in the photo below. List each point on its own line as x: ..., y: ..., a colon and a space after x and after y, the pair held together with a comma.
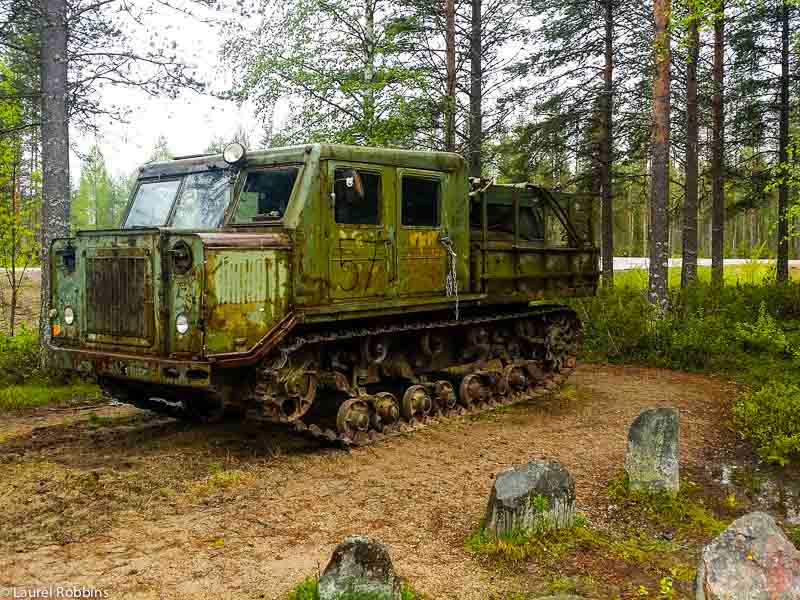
x: 233, y: 153
x: 69, y: 315
x: 182, y: 324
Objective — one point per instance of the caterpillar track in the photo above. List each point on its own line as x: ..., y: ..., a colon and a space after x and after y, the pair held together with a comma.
x: 355, y: 387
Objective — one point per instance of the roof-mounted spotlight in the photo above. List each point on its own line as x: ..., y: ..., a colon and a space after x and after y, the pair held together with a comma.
x: 233, y: 154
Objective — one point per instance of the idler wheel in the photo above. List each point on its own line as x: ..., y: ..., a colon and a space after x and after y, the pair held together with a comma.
x: 416, y: 402
x: 353, y: 418
x: 472, y: 391
x: 445, y: 395
x: 387, y: 410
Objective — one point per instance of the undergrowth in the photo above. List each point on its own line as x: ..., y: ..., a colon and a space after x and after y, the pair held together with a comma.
x: 664, y: 559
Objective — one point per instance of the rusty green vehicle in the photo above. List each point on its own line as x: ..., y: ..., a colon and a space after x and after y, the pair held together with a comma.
x: 346, y: 291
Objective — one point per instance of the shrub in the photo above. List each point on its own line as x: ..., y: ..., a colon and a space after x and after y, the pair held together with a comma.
x: 745, y: 330
x: 770, y: 417
x: 764, y: 335
x: 19, y: 356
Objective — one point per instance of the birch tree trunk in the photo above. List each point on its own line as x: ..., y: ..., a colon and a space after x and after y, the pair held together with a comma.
x: 55, y: 147
x: 475, y: 93
x: 717, y: 153
x: 659, y: 191
x: 689, y: 252
x: 782, y: 273
x: 607, y: 149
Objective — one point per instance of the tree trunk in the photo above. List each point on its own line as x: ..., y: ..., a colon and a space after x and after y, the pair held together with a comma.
x: 369, y: 72
x: 12, y: 319
x: 606, y: 151
x: 782, y: 273
x: 717, y: 154
x: 689, y: 252
x: 659, y: 191
x: 475, y: 92
x: 55, y: 146
x: 450, y: 112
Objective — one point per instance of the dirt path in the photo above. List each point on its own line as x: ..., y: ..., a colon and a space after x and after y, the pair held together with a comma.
x: 148, y: 508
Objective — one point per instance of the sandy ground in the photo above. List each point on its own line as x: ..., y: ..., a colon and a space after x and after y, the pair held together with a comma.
x: 146, y: 507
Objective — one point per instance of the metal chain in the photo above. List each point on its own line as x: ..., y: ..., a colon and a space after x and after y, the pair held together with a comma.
x: 451, y: 281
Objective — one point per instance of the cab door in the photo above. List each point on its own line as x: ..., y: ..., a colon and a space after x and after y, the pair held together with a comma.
x: 360, y: 226
x: 421, y: 257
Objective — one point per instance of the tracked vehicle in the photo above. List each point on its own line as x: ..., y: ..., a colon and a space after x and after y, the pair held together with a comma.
x: 347, y: 292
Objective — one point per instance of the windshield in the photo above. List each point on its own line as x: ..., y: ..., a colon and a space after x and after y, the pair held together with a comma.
x: 202, y: 201
x: 152, y: 203
x: 266, y: 194
x: 200, y: 204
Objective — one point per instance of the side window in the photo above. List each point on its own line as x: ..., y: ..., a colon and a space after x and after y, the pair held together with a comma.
x: 358, y: 197
x: 501, y: 217
x: 420, y: 202
x: 266, y: 194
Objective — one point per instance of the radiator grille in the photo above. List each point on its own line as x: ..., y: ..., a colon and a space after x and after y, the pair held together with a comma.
x: 117, y: 296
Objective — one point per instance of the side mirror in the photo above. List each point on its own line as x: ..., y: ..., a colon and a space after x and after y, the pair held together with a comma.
x: 351, y: 183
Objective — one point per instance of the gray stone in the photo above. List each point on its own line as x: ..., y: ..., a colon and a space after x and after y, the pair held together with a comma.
x: 652, y: 458
x: 531, y: 498
x: 360, y: 565
x: 751, y: 559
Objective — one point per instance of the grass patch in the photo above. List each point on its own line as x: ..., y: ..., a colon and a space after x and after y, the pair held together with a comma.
x: 24, y: 385
x: 308, y: 589
x: 96, y: 421
x: 220, y: 479
x: 35, y: 393
x: 684, y: 512
x: 519, y: 547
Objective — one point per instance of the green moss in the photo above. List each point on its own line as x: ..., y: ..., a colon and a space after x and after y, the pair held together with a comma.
x: 308, y: 589
x: 305, y: 590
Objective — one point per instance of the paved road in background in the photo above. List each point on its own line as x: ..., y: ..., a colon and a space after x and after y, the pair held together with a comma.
x: 623, y: 263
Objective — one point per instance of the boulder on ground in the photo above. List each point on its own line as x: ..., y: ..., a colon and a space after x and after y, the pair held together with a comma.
x: 651, y: 461
x: 751, y: 559
x: 360, y: 566
x: 531, y: 498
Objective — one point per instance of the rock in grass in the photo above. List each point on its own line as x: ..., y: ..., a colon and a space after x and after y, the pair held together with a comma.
x: 652, y: 458
x: 360, y: 566
x: 751, y: 559
x: 530, y: 499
